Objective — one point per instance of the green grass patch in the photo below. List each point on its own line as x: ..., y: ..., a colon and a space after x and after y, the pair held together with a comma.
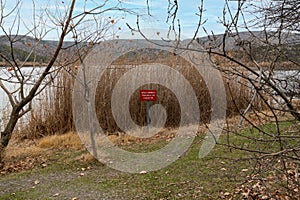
x: 187, y: 178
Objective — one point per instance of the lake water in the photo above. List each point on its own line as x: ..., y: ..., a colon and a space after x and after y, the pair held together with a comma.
x: 10, y: 81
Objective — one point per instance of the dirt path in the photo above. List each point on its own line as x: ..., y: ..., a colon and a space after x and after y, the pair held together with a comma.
x: 57, y: 185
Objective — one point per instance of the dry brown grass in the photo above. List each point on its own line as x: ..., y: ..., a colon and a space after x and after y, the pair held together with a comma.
x: 26, y: 154
x: 69, y: 140
x: 22, y: 149
x: 21, y: 152
x: 86, y: 157
x: 122, y: 139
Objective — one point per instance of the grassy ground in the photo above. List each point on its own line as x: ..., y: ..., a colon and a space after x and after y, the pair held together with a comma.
x: 69, y: 172
x: 74, y: 174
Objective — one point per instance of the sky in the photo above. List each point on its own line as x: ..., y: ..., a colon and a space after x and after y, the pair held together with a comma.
x: 151, y: 24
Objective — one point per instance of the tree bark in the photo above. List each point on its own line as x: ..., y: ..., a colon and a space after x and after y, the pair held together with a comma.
x: 7, y: 133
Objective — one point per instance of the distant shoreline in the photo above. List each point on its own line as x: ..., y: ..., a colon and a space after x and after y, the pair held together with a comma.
x: 285, y: 66
x: 25, y: 64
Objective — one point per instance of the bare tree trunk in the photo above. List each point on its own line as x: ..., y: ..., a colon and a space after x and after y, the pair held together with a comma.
x: 66, y: 24
x: 17, y: 107
x: 7, y: 133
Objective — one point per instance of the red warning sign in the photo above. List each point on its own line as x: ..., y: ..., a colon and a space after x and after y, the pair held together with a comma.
x: 147, y: 95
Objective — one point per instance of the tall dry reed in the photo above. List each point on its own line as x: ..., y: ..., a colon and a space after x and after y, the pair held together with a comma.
x: 52, y: 111
x: 53, y: 115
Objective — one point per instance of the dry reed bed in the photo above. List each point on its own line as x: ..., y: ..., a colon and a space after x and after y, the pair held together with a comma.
x: 54, y: 115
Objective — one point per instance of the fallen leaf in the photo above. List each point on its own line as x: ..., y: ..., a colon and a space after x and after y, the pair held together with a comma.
x: 226, y: 194
x: 56, y: 194
x: 44, y: 165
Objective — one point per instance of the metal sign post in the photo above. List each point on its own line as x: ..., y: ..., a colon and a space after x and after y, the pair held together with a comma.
x: 147, y: 115
x: 147, y: 95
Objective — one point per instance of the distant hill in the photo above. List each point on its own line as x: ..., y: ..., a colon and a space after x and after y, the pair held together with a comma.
x: 234, y: 41
x: 42, y: 49
x: 290, y: 48
x: 45, y: 48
